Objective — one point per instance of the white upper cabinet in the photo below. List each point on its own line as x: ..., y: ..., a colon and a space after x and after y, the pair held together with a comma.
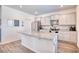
x: 54, y: 17
x: 64, y: 19
x: 67, y: 19
x: 42, y: 21
x: 45, y: 20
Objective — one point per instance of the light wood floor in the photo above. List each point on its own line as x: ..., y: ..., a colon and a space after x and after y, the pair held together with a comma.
x: 68, y: 47
x: 16, y: 47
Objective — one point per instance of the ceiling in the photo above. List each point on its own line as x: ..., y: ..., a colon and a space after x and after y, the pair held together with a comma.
x: 40, y: 9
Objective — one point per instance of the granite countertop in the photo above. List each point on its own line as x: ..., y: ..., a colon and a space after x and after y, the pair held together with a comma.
x: 40, y: 35
x: 46, y: 34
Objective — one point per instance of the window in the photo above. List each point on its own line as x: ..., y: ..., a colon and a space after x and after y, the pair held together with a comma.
x: 16, y: 22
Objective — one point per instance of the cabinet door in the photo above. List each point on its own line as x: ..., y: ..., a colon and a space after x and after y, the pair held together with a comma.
x: 27, y: 41
x: 67, y: 19
x: 36, y: 44
x: 55, y: 17
x: 42, y: 21
x: 72, y: 19
x: 45, y: 21
x: 62, y: 19
x: 68, y: 36
x: 45, y: 46
x: 65, y: 36
x: 73, y: 37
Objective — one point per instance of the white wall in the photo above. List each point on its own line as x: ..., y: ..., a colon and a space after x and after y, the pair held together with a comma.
x: 0, y: 23
x: 10, y: 34
x: 0, y: 11
x: 77, y: 24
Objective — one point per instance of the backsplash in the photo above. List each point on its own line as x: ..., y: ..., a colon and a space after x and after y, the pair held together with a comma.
x: 59, y: 28
x: 67, y: 28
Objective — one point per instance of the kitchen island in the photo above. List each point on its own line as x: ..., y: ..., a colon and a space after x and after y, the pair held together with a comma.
x: 39, y: 42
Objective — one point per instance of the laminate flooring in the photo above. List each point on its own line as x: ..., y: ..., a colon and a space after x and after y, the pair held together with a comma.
x: 16, y: 47
x: 67, y: 47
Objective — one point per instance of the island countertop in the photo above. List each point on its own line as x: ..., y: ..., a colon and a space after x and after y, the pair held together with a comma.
x: 40, y: 35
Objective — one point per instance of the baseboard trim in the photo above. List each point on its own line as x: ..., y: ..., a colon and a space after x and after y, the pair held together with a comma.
x: 2, y: 43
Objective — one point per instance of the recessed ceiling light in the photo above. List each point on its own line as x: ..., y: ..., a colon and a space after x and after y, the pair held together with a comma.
x: 36, y: 12
x: 20, y: 6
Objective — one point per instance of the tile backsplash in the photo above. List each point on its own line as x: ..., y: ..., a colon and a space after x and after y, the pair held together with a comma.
x: 61, y: 28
